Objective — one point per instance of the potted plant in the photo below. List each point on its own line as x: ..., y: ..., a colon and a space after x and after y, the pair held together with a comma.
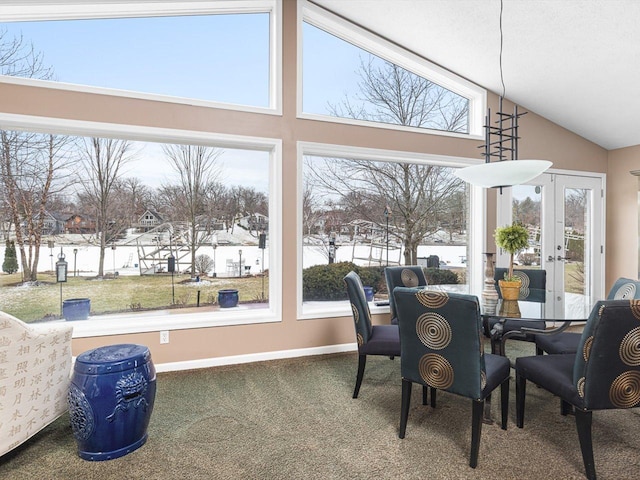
x: 512, y: 239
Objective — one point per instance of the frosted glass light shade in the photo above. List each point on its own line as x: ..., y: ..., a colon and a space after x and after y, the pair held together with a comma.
x: 502, y: 174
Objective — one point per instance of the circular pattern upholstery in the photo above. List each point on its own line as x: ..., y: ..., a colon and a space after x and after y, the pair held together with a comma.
x: 483, y: 379
x: 436, y: 371
x: 409, y: 278
x: 359, y: 339
x: 630, y: 348
x: 433, y: 330
x: 580, y: 387
x: 625, y: 390
x: 524, y: 286
x: 635, y: 308
x: 627, y: 290
x: 432, y: 299
x: 356, y: 315
x: 587, y: 348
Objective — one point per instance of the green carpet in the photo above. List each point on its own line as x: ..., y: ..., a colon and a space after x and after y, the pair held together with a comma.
x: 295, y: 419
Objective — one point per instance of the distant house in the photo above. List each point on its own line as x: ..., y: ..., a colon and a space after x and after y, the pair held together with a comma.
x: 53, y: 223
x: 80, y: 224
x: 148, y: 220
x: 256, y: 222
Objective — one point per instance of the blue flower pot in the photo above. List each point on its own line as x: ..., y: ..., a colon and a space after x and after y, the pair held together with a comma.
x: 228, y: 298
x: 76, y: 308
x: 368, y: 292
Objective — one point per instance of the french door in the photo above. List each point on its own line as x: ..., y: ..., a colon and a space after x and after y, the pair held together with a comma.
x: 564, y: 215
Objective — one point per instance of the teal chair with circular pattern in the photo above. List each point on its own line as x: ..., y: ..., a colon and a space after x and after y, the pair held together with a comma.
x: 603, y: 374
x: 371, y: 339
x: 402, y: 276
x: 442, y: 348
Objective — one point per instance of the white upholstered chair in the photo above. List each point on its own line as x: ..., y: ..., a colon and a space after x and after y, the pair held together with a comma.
x: 35, y: 370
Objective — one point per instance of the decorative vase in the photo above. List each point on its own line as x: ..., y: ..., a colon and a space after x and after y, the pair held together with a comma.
x: 489, y: 293
x: 509, y: 308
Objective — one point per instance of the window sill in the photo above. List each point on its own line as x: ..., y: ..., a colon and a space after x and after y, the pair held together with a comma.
x: 141, y: 322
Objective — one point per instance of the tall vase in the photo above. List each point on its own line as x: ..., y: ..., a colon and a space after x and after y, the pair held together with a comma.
x: 489, y: 292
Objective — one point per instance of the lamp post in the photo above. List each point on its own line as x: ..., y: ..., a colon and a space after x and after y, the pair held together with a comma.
x: 332, y: 247
x: 171, y: 266
x: 113, y: 249
x: 61, y: 274
x: 262, y: 244
x: 215, y: 247
x: 387, y: 212
x: 50, y: 244
x: 240, y: 263
x: 75, y: 257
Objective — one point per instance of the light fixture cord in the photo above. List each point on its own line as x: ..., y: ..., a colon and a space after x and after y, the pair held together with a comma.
x: 501, y: 34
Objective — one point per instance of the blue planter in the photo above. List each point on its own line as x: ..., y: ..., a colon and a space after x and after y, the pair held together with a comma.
x: 228, y: 298
x: 368, y: 292
x: 76, y: 308
x: 111, y: 398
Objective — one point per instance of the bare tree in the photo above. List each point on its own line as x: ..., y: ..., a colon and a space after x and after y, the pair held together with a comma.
x: 103, y: 160
x: 391, y: 94
x: 33, y: 168
x: 31, y: 163
x: 197, y: 167
x: 414, y: 192
x: 19, y: 58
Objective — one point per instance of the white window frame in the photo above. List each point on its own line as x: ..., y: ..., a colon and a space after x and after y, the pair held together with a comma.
x: 44, y: 10
x: 477, y: 214
x: 347, y: 31
x: 154, y: 321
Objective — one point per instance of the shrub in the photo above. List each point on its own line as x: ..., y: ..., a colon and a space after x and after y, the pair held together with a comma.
x: 326, y: 282
x: 436, y: 276
x: 10, y: 263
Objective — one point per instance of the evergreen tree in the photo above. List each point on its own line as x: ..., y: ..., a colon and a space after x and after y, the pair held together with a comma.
x: 10, y: 264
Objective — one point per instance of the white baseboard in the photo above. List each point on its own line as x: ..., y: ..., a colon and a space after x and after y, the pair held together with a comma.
x: 254, y: 357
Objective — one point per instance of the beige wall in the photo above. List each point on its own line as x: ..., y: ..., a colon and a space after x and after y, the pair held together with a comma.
x: 541, y: 139
x: 622, y: 214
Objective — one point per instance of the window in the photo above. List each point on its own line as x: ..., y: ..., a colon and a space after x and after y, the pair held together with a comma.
x: 204, y: 55
x: 215, y: 229
x: 374, y: 208
x: 354, y: 76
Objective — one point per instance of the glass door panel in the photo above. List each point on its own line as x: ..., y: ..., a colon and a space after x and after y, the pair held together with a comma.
x: 563, y: 215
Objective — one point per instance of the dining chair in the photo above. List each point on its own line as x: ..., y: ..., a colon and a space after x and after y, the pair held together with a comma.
x: 442, y: 348
x: 533, y: 289
x: 604, y: 373
x: 402, y: 276
x: 557, y: 340
x: 371, y: 339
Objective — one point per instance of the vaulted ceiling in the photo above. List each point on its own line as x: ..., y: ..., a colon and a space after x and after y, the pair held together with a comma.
x: 575, y: 62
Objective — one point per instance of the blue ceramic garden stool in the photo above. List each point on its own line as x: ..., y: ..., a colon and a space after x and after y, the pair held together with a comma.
x: 111, y: 399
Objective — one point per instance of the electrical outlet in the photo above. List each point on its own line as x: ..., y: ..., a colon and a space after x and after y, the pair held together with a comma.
x: 164, y: 336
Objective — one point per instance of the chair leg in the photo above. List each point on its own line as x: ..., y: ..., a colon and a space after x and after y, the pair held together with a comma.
x: 504, y: 405
x: 404, y: 407
x: 476, y: 430
x: 565, y: 408
x: 362, y: 361
x: 433, y: 397
x: 583, y: 423
x: 539, y: 351
x: 521, y: 390
x: 424, y: 394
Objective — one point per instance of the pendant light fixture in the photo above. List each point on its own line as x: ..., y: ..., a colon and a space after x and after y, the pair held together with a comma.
x: 501, y: 144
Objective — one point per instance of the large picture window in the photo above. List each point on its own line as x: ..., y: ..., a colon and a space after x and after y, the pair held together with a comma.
x: 353, y: 76
x: 143, y: 226
x: 369, y: 212
x: 205, y: 55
